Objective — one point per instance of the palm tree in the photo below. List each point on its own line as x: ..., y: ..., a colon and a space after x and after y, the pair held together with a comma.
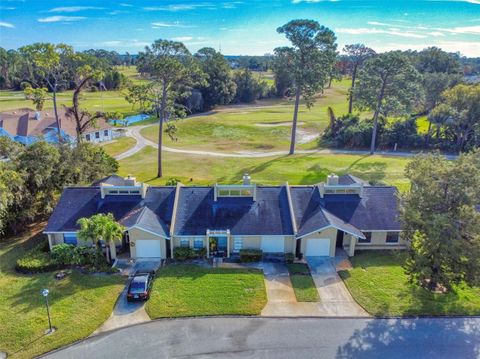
x: 101, y: 227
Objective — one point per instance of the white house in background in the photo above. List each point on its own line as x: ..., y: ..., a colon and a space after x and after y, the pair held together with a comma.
x: 28, y: 126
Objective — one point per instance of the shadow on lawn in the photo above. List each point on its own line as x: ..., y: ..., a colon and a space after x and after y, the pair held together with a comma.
x: 461, y: 337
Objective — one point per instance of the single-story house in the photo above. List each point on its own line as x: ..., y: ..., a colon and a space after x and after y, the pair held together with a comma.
x: 345, y: 212
x: 27, y: 126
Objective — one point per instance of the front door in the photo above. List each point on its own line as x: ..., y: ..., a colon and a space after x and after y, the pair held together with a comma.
x: 218, y: 246
x: 340, y: 235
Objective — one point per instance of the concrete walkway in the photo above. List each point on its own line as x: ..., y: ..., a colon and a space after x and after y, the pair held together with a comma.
x: 134, y: 132
x: 335, y: 298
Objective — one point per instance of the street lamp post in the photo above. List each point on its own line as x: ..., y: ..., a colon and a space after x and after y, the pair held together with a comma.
x: 45, y: 293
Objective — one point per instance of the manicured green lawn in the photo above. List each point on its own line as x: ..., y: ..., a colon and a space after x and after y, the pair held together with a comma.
x: 297, y: 169
x: 190, y: 290
x: 242, y: 127
x: 108, y: 101
x: 79, y: 304
x: 119, y: 145
x: 379, y: 284
x: 302, y: 283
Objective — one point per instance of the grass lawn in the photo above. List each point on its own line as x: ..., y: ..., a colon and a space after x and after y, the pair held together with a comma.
x: 190, y: 290
x: 79, y: 304
x: 297, y: 169
x: 107, y: 101
x: 378, y: 283
x: 119, y: 145
x: 249, y: 127
x: 302, y: 283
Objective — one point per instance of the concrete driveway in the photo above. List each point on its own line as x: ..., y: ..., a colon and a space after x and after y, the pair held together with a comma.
x: 124, y: 314
x: 335, y: 298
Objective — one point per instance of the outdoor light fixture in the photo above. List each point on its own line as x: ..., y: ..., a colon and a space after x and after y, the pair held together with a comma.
x: 51, y: 329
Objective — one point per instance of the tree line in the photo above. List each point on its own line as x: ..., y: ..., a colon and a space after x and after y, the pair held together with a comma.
x: 32, y: 177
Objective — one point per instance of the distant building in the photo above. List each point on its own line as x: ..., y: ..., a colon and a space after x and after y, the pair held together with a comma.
x: 28, y: 126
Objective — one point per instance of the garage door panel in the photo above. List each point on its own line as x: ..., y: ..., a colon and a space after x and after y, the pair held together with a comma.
x: 148, y: 248
x: 273, y: 244
x: 317, y: 247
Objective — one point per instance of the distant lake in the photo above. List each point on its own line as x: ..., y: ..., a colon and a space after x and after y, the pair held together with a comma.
x: 131, y: 119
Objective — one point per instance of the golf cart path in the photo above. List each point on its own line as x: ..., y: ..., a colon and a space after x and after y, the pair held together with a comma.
x: 142, y: 142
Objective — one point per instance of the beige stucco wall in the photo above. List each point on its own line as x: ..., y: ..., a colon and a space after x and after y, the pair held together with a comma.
x: 57, y: 238
x: 136, y: 234
x: 330, y: 233
x: 379, y: 242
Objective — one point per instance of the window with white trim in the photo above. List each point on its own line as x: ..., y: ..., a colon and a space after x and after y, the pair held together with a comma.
x: 392, y: 237
x: 184, y: 243
x: 70, y: 238
x: 367, y: 239
x: 198, y: 243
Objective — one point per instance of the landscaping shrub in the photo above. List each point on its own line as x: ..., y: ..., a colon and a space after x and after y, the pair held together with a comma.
x: 36, y: 260
x: 251, y: 255
x: 63, y: 254
x: 182, y: 253
x: 39, y: 259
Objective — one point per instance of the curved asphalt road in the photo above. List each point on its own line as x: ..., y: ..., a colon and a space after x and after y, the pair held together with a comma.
x: 142, y: 142
x: 286, y: 338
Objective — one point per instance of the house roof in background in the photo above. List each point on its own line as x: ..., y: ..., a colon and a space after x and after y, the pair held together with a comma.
x: 23, y: 122
x: 114, y: 180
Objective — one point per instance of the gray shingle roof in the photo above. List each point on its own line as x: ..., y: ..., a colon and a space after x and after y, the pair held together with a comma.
x: 154, y: 213
x: 268, y: 215
x: 197, y: 211
x: 114, y: 180
x: 310, y: 215
x: 376, y: 210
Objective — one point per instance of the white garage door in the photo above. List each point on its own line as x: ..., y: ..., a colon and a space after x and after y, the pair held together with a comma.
x: 148, y: 248
x: 317, y: 247
x: 273, y: 244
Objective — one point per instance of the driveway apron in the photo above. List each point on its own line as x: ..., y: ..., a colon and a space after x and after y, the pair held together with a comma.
x: 335, y: 299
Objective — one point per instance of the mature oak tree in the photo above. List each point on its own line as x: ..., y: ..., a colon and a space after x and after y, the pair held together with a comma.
x: 387, y: 84
x: 441, y: 220
x: 311, y: 56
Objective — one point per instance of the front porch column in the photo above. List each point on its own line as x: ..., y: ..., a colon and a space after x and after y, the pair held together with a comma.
x: 207, y: 243
x: 351, y: 248
x: 171, y: 247
x: 113, y: 250
x: 49, y: 236
x: 228, y: 243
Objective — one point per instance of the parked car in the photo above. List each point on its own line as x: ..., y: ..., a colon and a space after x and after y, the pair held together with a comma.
x: 140, y: 286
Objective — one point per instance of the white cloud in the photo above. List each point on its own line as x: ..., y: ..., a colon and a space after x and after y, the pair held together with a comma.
x: 125, y: 5
x: 475, y: 30
x: 466, y: 48
x: 180, y: 7
x: 61, y: 18
x: 6, y: 24
x: 436, y: 33
x: 74, y: 8
x: 369, y: 31
x: 182, y: 38
x: 134, y: 43
x: 157, y: 25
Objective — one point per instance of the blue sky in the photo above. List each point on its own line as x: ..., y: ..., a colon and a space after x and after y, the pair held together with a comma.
x: 240, y: 26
